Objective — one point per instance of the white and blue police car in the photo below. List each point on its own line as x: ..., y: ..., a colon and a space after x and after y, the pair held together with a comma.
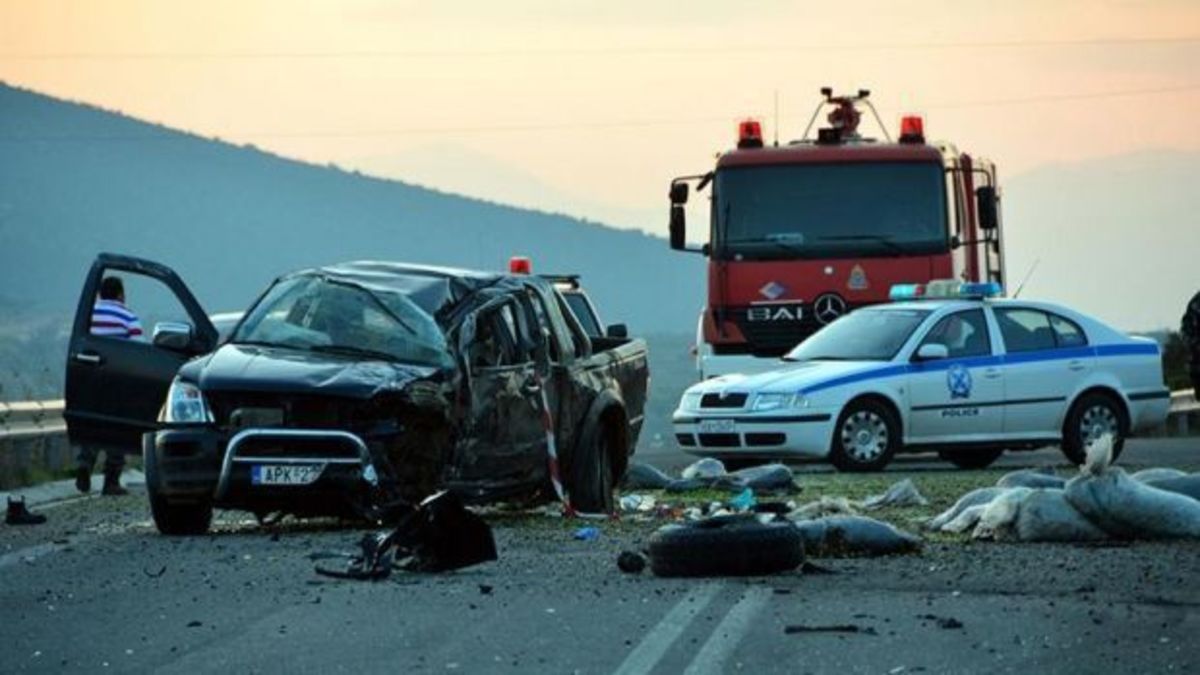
x: 947, y: 367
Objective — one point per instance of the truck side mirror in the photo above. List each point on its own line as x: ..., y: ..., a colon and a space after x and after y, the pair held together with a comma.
x: 986, y: 201
x: 678, y: 227
x: 172, y: 335
x: 679, y: 193
x: 617, y: 330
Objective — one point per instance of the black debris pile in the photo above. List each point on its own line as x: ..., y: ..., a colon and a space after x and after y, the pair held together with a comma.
x: 19, y: 514
x: 729, y: 545
x: 708, y: 474
x: 439, y: 535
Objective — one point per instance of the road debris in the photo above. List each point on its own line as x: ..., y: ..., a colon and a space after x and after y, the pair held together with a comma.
x: 795, y: 629
x: 733, y: 545
x: 18, y: 514
x: 902, y: 493
x: 631, y: 562
x: 850, y: 536
x: 1032, y: 478
x: 710, y: 474
x: 586, y: 534
x: 439, y: 535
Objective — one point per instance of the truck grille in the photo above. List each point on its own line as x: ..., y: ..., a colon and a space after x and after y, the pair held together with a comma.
x: 239, y: 410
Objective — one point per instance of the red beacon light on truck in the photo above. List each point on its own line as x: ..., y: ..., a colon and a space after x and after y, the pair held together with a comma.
x: 749, y: 134
x: 519, y: 264
x: 912, y: 129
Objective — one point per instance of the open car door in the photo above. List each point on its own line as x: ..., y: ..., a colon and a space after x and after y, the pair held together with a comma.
x: 116, y: 384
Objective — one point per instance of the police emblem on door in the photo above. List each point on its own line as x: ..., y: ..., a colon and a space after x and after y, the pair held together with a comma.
x: 958, y: 381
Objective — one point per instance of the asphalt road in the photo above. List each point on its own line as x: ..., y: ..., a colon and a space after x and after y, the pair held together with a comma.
x: 97, y: 589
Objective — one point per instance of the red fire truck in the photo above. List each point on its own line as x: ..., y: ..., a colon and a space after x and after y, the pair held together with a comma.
x: 805, y: 232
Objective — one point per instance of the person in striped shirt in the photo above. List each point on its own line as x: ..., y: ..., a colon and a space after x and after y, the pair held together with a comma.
x: 110, y: 318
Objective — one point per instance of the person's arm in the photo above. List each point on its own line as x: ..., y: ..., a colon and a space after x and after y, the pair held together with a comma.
x: 134, y: 331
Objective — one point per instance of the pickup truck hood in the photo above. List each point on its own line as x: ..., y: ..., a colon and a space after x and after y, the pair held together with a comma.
x: 236, y: 367
x: 792, y: 377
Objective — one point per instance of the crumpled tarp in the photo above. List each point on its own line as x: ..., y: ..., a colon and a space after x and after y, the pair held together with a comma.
x: 901, y: 493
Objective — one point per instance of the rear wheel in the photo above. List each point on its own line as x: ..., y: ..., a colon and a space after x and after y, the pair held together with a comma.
x: 866, y: 437
x: 1094, y: 415
x: 591, y: 472
x: 971, y: 459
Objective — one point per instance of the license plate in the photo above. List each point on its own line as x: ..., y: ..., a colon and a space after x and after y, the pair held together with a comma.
x: 717, y: 427
x: 285, y: 474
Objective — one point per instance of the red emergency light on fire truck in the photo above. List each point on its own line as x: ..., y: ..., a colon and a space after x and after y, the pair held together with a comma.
x: 805, y: 232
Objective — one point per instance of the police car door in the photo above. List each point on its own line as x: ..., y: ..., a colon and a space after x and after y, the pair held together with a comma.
x: 958, y: 398
x: 1046, y: 359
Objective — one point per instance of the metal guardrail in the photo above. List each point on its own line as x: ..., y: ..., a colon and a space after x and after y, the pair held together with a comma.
x: 44, y: 418
x: 31, y: 418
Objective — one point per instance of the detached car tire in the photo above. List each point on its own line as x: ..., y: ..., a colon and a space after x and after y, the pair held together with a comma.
x: 1093, y: 413
x: 971, y: 459
x: 172, y: 519
x: 726, y: 546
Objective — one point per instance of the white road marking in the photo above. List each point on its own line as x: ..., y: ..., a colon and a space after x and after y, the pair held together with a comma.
x: 656, y: 643
x: 729, y: 633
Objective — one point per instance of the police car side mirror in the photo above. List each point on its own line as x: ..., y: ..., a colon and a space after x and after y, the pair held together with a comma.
x: 932, y: 352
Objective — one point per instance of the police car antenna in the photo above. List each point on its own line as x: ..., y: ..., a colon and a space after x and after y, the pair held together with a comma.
x: 1027, y: 275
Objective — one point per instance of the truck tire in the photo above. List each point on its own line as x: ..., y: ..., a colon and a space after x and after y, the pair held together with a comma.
x: 591, y: 481
x: 171, y: 519
x: 726, y: 546
x: 971, y: 459
x: 1092, y: 414
x: 866, y: 437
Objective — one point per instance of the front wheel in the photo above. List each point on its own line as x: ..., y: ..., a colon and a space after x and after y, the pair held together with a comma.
x: 1093, y: 416
x: 174, y: 519
x: 866, y: 437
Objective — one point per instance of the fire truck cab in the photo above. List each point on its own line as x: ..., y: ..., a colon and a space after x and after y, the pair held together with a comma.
x: 803, y: 233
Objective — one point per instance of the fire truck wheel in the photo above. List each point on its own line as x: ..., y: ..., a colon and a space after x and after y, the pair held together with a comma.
x: 866, y: 437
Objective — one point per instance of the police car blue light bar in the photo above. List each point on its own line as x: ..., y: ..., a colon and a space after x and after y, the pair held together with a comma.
x: 942, y: 289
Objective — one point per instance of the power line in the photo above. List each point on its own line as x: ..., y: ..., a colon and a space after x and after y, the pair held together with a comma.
x: 599, y: 51
x: 172, y: 135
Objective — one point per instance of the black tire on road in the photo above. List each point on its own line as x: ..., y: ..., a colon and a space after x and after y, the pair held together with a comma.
x: 591, y: 480
x: 866, y: 437
x: 173, y: 519
x: 726, y: 546
x: 1091, y: 415
x: 971, y: 459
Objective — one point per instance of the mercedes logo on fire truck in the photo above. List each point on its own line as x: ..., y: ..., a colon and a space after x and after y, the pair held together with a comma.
x: 828, y: 307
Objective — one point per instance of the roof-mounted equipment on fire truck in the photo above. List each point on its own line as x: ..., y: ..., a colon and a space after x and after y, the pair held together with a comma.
x: 912, y: 129
x: 946, y: 289
x: 844, y: 118
x: 519, y: 264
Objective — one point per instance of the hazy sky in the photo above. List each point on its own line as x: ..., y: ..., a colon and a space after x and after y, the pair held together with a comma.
x: 592, y: 106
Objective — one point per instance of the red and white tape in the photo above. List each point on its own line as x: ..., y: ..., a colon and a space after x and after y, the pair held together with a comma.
x: 552, y: 450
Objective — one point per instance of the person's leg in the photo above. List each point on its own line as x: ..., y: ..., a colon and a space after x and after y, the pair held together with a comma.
x: 85, y: 461
x: 114, y: 464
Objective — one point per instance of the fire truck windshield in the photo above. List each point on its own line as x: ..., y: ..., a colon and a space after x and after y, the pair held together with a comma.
x: 830, y: 210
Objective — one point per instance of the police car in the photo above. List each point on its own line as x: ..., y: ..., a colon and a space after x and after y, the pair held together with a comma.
x: 947, y: 367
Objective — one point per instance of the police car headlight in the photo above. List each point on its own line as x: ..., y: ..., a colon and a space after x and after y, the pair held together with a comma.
x: 691, y: 401
x: 186, y: 404
x: 765, y: 402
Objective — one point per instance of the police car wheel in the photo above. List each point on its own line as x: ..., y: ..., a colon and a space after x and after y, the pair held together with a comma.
x: 1093, y: 416
x: 865, y: 438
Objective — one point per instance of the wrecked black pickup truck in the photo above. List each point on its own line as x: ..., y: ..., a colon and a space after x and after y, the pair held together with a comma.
x: 349, y: 387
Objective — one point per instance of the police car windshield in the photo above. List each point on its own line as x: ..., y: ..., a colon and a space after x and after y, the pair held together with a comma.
x: 862, y: 335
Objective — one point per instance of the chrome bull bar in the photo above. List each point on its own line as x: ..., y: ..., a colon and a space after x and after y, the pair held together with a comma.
x: 231, y: 457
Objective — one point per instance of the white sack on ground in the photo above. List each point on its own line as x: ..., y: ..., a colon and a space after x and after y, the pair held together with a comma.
x: 1126, y: 508
x: 1031, y: 478
x: 1157, y: 474
x: 975, y: 497
x: 1035, y: 514
x: 902, y: 493
x: 704, y: 468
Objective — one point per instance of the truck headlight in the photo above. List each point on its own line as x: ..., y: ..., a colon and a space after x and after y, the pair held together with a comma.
x: 768, y: 402
x: 186, y: 404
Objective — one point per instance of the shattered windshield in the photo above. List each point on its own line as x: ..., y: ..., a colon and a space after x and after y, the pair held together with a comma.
x: 322, y: 314
x: 863, y: 335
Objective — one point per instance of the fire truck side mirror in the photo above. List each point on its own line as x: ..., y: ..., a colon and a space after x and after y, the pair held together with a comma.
x: 678, y: 227
x: 986, y: 201
x: 679, y: 193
